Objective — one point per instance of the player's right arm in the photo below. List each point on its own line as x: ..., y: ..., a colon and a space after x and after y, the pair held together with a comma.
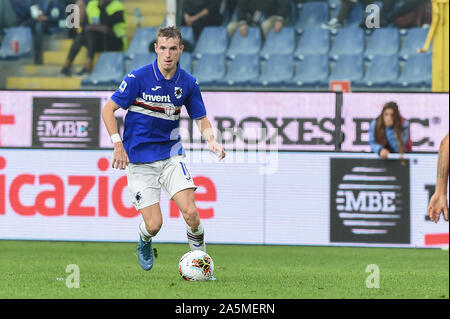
x: 438, y: 202
x: 120, y: 157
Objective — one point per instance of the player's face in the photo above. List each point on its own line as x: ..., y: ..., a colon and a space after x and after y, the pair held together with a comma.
x: 168, y: 51
x: 388, y: 117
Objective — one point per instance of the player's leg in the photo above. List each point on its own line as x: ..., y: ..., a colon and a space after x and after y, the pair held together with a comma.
x: 195, y: 232
x: 177, y: 182
x: 144, y: 190
x: 151, y: 223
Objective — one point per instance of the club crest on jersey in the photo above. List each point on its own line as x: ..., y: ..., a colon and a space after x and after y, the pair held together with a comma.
x: 170, y: 110
x: 138, y: 197
x: 178, y: 92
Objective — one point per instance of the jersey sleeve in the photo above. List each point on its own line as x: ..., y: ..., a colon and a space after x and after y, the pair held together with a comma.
x: 194, y: 103
x: 127, y: 92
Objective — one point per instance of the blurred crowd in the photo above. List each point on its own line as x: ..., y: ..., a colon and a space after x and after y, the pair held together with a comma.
x: 103, y: 21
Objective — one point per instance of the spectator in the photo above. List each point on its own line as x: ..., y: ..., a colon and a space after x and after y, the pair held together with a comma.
x: 347, y: 5
x: 45, y: 14
x: 14, y: 12
x: 411, y: 13
x: 105, y: 30
x: 201, y: 13
x: 268, y: 14
x: 389, y: 132
x: 7, y: 14
x: 81, y: 4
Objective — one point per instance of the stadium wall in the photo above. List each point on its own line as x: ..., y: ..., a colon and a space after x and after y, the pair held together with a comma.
x: 289, y: 186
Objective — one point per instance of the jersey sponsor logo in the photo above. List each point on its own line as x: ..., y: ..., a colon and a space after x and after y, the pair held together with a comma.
x: 156, y: 98
x: 178, y: 92
x: 122, y: 86
x: 156, y: 88
x: 131, y: 75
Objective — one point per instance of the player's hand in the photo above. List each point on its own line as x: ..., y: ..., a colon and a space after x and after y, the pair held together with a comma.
x: 384, y: 153
x: 120, y: 157
x: 217, y: 149
x: 438, y: 204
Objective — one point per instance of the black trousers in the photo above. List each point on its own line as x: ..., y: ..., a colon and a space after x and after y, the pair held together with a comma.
x: 94, y: 41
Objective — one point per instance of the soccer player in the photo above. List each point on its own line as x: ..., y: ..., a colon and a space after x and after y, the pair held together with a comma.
x: 438, y: 202
x: 151, y: 151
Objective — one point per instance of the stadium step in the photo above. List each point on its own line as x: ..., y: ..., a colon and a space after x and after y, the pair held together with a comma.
x: 40, y: 70
x: 59, y: 57
x: 43, y: 83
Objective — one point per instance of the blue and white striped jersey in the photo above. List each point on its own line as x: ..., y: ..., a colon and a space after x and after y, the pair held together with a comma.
x: 151, y: 128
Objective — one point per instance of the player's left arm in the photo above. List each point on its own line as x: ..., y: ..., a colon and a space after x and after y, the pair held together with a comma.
x: 438, y: 202
x: 204, y: 125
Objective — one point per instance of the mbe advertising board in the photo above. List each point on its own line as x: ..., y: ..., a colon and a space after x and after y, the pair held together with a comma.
x: 292, y: 198
x: 286, y: 121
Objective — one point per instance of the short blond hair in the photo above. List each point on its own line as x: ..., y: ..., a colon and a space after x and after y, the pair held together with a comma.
x: 169, y: 32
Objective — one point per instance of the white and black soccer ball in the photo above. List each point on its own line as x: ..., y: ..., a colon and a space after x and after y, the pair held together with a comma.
x: 196, y: 265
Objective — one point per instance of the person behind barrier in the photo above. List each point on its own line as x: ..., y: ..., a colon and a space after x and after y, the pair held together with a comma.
x: 389, y: 132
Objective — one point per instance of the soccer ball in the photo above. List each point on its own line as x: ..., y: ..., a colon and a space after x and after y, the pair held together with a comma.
x: 196, y: 265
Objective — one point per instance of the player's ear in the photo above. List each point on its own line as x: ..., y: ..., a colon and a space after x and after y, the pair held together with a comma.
x: 181, y: 48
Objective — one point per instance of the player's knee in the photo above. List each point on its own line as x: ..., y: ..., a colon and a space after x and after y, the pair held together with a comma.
x: 154, y: 228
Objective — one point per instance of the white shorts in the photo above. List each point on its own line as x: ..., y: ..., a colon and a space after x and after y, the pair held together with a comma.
x: 145, y: 180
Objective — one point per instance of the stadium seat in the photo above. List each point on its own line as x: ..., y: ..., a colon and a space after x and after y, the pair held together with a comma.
x: 141, y: 41
x: 186, y: 61
x: 187, y: 34
x: 139, y: 60
x: 312, y: 71
x: 313, y: 41
x: 24, y: 39
x: 414, y: 39
x: 383, y: 41
x: 416, y: 72
x: 243, y: 69
x: 312, y: 14
x: 212, y: 40
x: 348, y: 40
x: 251, y: 44
x: 278, y: 70
x: 282, y: 42
x: 109, y: 70
x: 210, y: 68
x: 349, y: 67
x: 382, y: 70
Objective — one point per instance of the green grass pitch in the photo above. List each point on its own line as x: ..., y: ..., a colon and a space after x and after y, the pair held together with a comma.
x: 37, y: 269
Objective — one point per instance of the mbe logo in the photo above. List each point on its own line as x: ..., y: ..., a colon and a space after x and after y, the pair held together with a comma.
x: 369, y: 201
x: 66, y: 122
